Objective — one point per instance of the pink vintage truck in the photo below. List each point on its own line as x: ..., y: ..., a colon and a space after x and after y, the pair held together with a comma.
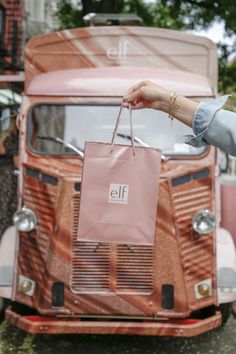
x: 181, y: 285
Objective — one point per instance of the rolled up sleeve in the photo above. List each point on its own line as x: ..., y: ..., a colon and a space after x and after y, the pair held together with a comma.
x: 214, y: 125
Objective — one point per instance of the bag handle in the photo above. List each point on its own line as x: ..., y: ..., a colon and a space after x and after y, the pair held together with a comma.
x: 117, y: 125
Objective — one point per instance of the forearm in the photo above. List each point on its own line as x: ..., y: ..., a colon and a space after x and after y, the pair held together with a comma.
x: 210, y: 124
x: 184, y: 109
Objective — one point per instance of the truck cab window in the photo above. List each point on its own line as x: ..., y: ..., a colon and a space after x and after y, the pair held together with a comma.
x: 76, y: 124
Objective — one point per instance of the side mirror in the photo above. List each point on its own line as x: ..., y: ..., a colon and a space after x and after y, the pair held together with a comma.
x: 5, y: 119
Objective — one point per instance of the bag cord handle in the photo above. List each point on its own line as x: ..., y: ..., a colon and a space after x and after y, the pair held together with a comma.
x: 117, y: 125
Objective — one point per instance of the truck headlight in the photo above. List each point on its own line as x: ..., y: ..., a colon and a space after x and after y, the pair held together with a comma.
x: 204, y: 222
x: 25, y: 220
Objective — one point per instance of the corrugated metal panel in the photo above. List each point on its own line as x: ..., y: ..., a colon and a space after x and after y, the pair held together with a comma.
x: 40, y: 197
x: 31, y: 258
x: 135, y: 268
x: 195, y: 253
x: 91, y: 267
x: 187, y: 203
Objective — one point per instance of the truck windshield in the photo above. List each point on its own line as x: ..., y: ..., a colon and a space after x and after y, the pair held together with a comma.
x: 52, y: 124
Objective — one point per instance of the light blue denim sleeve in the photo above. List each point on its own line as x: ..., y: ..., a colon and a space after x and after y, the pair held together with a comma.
x: 214, y: 125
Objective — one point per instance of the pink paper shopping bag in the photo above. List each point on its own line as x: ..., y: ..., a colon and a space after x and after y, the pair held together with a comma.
x: 119, y: 192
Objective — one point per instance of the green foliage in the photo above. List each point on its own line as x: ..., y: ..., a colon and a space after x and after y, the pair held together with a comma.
x: 227, y: 71
x: 227, y: 77
x: 162, y: 17
x: 140, y: 8
x: 68, y: 15
x: 187, y: 14
x: 202, y: 13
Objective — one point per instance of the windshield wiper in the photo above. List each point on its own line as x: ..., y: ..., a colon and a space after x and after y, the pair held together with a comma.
x: 138, y: 140
x: 56, y: 139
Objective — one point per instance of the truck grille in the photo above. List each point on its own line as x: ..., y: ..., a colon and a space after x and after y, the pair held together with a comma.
x: 135, y: 268
x: 110, y: 267
x: 91, y: 263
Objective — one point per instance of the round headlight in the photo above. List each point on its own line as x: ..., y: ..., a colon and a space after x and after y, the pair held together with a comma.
x: 204, y: 222
x: 25, y: 220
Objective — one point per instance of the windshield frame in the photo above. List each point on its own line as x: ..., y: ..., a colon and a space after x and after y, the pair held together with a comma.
x: 71, y: 154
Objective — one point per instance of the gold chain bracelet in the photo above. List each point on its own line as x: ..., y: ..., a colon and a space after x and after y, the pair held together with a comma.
x: 172, y: 105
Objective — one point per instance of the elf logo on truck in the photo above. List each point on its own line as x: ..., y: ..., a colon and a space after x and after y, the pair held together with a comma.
x: 119, y: 52
x: 118, y: 193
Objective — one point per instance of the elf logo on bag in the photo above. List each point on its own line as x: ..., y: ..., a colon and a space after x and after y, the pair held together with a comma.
x: 118, y: 193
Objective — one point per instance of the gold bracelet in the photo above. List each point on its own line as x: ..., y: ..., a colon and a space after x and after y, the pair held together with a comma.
x: 172, y: 104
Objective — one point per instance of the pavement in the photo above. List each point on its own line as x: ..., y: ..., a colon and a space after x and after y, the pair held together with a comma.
x: 219, y: 341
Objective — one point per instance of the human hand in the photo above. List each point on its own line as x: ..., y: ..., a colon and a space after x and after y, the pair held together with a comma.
x: 146, y: 94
